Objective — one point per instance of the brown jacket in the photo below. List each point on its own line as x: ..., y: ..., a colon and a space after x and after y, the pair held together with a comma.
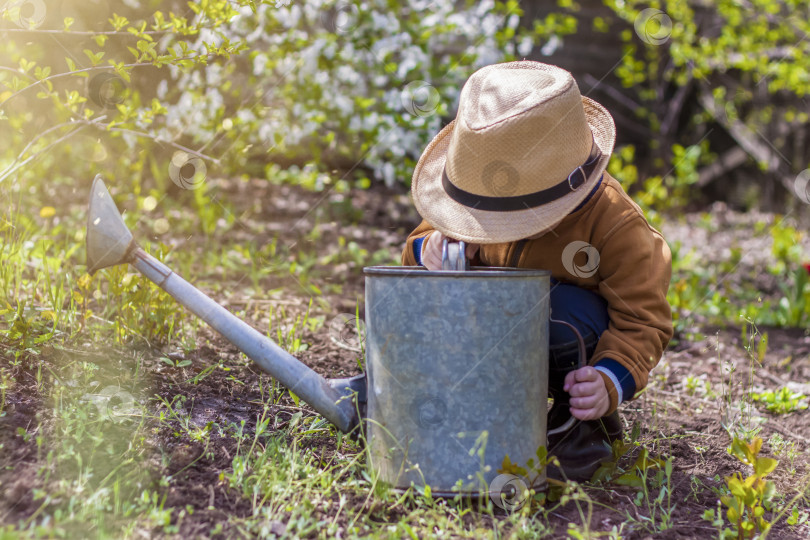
x: 632, y: 276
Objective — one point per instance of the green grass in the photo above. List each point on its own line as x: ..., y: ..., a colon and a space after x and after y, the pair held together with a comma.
x: 721, y: 293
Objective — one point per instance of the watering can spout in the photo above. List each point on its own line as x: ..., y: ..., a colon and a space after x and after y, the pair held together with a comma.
x: 108, y: 239
x: 109, y: 243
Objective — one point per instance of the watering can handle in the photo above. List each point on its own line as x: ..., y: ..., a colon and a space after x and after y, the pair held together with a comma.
x: 580, y: 364
x: 583, y: 351
x: 454, y: 256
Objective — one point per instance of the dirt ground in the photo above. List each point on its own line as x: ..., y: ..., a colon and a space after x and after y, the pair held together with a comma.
x: 673, y: 419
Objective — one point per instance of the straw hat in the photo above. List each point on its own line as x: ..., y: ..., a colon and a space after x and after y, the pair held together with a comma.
x: 524, y: 150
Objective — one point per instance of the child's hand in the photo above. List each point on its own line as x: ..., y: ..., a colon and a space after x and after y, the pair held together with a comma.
x: 432, y: 251
x: 589, y: 397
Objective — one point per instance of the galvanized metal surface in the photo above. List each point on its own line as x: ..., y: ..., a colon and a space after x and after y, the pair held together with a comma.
x: 457, y: 366
x: 103, y: 249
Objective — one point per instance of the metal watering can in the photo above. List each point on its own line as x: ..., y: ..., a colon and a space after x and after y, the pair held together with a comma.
x: 456, y: 360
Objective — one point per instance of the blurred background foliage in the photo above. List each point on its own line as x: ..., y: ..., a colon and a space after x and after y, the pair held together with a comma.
x: 709, y: 98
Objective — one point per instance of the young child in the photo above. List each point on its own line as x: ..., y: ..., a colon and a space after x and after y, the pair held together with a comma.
x: 520, y: 176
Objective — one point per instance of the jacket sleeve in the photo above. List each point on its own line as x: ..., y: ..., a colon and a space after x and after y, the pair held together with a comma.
x: 635, y: 267
x: 408, y: 257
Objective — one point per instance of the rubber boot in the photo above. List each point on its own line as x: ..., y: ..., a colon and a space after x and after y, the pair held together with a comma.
x: 582, y: 448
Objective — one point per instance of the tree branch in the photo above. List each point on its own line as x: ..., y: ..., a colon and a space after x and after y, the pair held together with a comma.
x: 12, y: 168
x: 728, y: 161
x: 747, y: 140
x: 106, y: 127
x: 739, y: 131
x: 81, y: 33
x: 85, y: 70
x: 676, y: 106
x: 612, y: 92
x: 15, y: 71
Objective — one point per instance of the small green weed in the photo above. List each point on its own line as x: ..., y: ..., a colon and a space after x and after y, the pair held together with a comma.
x: 749, y: 496
x: 289, y: 336
x: 798, y: 517
x: 652, y: 477
x: 179, y: 363
x: 793, y: 308
x: 740, y: 418
x: 137, y: 306
x: 532, y: 472
x: 784, y: 449
x: 699, y: 385
x: 781, y: 401
x: 786, y: 247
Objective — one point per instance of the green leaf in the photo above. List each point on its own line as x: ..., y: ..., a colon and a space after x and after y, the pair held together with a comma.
x: 768, y: 492
x: 158, y: 107
x: 42, y: 73
x: 402, y: 524
x: 508, y: 467
x: 25, y: 65
x: 629, y: 479
x: 754, y: 448
x: 794, y: 516
x: 95, y: 58
x: 147, y: 48
x: 541, y: 453
x: 736, y: 487
x: 121, y: 71
x: 604, y: 472
x: 739, y: 449
x: 118, y: 22
x: 763, y: 525
x: 764, y: 465
x: 750, y: 497
x: 733, y: 515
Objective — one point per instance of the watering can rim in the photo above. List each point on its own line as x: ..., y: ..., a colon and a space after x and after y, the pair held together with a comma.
x: 473, y: 272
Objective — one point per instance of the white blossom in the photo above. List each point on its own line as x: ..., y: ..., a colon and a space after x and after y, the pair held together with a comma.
x: 309, y: 78
x: 525, y: 46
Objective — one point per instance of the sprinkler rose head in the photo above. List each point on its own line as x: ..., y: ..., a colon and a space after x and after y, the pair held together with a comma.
x: 108, y: 239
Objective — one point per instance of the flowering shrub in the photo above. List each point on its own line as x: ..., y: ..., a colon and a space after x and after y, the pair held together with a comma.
x: 341, y: 84
x: 226, y: 87
x: 76, y: 85
x: 220, y: 87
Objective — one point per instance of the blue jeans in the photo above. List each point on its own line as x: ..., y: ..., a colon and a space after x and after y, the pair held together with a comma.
x: 587, y: 312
